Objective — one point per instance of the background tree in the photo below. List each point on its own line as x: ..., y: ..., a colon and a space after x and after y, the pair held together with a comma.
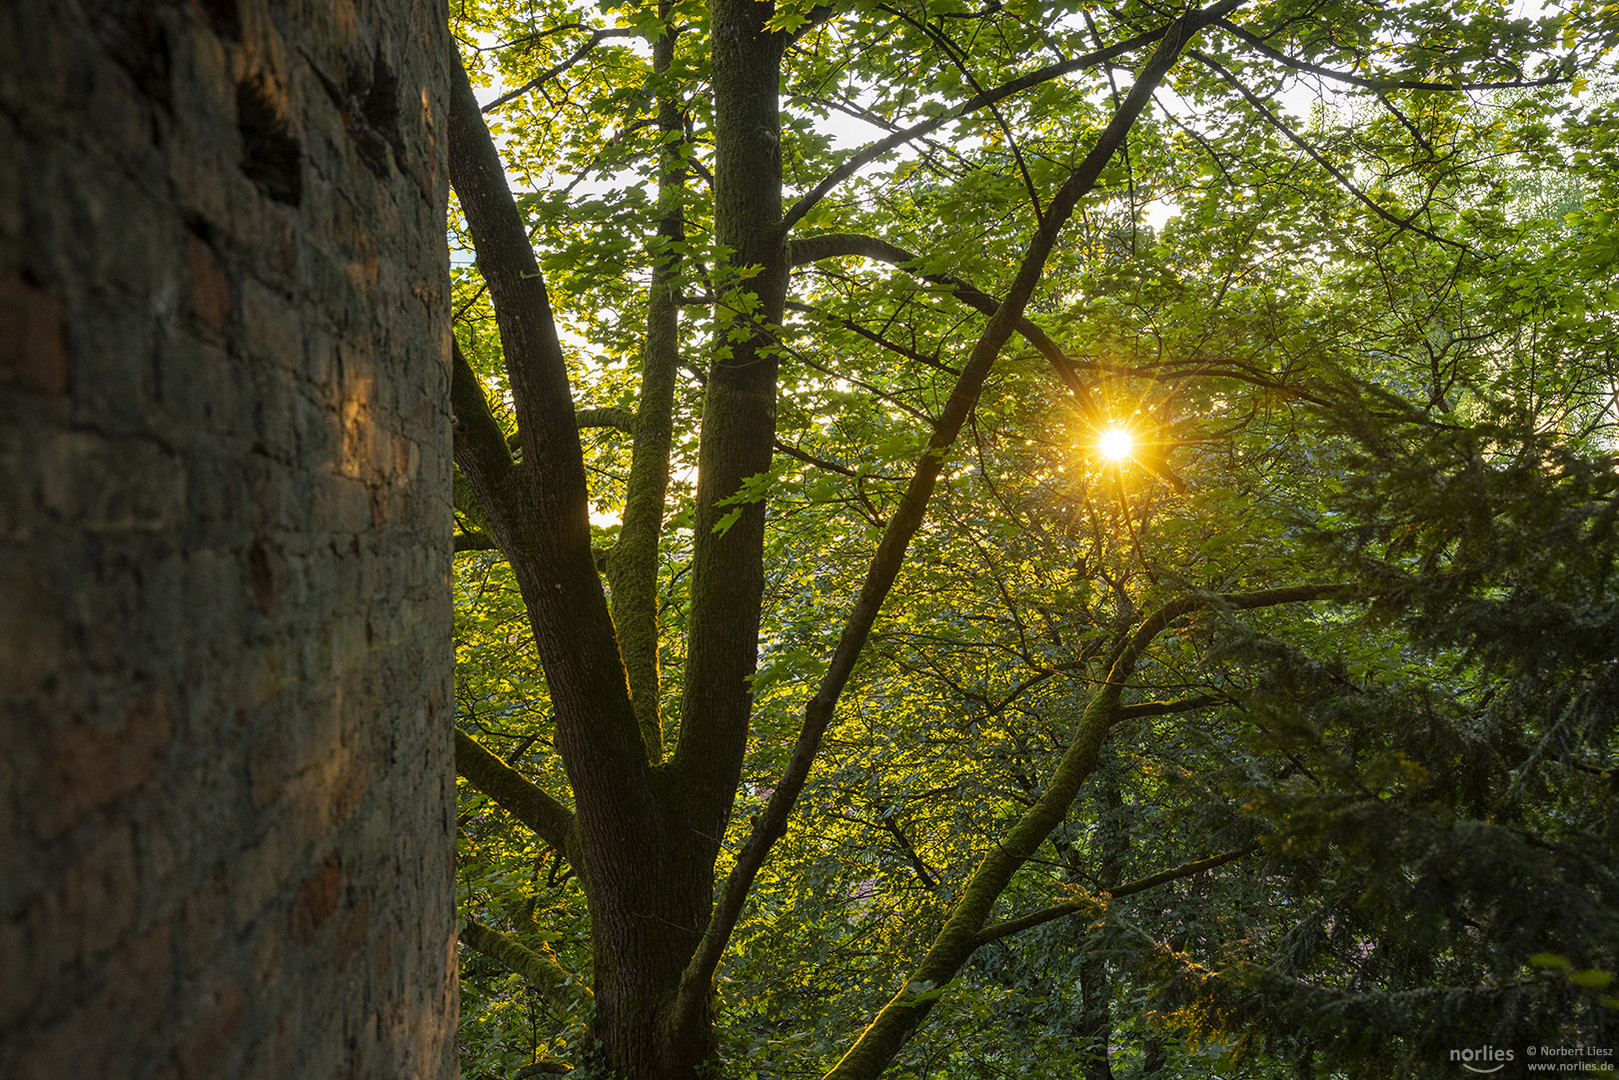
x: 907, y: 351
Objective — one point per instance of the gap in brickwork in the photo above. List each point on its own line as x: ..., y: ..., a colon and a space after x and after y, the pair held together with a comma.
x: 224, y: 16
x: 133, y: 36
x: 271, y: 156
x: 379, y: 111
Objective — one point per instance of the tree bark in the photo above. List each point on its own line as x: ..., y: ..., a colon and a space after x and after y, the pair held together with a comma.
x: 739, y: 412
x: 632, y: 565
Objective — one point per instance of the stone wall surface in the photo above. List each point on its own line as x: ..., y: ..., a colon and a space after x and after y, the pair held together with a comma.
x: 226, y: 789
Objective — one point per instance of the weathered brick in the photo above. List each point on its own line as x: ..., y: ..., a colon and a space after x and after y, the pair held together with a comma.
x: 210, y: 289
x: 257, y: 874
x: 316, y: 900
x: 204, y: 922
x: 100, y: 891
x: 91, y: 767
x: 12, y: 168
x: 16, y: 505
x: 264, y: 769
x: 22, y: 934
x: 33, y: 337
x: 96, y: 1035
x: 207, y: 1041
x: 354, y: 931
x: 110, y: 485
x: 270, y: 326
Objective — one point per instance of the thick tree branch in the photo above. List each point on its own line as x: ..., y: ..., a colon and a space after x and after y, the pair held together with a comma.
x: 619, y: 419
x: 514, y: 793
x: 1170, y: 708
x: 532, y: 351
x: 622, y: 419
x: 474, y: 531
x: 632, y: 565
x: 540, y: 971
x: 480, y: 448
x: 1083, y: 904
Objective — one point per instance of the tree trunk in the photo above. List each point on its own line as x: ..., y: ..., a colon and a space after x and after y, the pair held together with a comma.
x: 739, y: 412
x: 647, y: 873
x: 642, y: 941
x: 1095, y: 981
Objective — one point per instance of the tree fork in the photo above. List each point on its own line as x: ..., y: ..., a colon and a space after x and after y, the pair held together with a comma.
x: 646, y: 879
x: 539, y: 511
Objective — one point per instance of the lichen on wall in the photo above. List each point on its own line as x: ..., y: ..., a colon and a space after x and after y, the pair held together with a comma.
x: 226, y: 772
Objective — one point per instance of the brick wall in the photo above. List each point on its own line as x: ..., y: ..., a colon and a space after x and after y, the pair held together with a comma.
x: 226, y: 790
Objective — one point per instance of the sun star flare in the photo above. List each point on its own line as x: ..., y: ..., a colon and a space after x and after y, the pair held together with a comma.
x: 1115, y: 443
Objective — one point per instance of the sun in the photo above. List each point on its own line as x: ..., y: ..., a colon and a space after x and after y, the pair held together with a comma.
x: 1116, y: 443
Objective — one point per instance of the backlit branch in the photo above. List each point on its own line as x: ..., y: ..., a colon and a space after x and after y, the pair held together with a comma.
x: 1083, y: 904
x: 978, y: 101
x: 960, y: 937
x: 1315, y: 155
x: 957, y: 58
x: 552, y: 72
x: 515, y: 793
x: 810, y: 249
x: 1258, y: 45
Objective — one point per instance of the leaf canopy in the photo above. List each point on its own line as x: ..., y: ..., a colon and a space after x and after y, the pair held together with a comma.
x: 1350, y: 283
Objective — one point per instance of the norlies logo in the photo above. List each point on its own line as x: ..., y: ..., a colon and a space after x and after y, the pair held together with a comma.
x: 1474, y: 1058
